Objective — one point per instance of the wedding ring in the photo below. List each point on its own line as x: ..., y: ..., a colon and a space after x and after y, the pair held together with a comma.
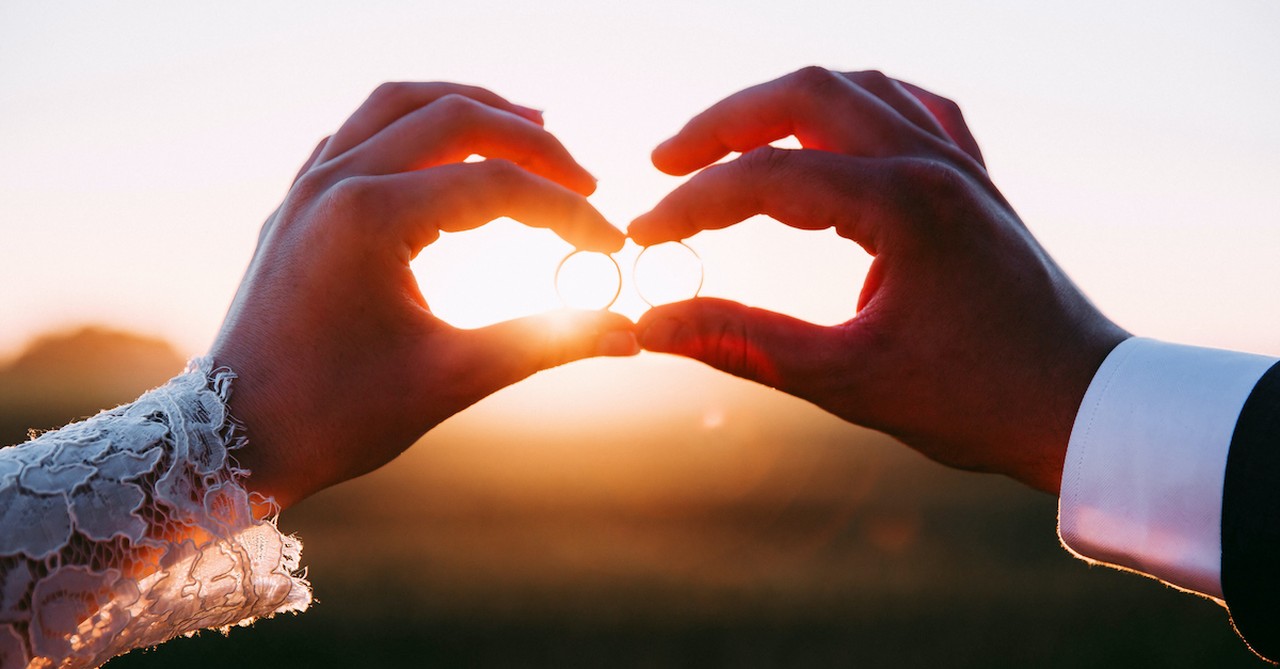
x: 664, y: 273
x: 578, y: 280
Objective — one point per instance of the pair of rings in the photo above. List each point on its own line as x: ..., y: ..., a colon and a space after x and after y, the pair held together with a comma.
x: 652, y: 271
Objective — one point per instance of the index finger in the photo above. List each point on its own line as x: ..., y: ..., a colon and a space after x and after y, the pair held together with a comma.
x: 822, y: 109
x: 805, y: 189
x: 417, y: 206
x: 390, y: 101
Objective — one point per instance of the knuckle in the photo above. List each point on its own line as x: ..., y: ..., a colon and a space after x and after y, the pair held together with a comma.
x: 312, y: 183
x: 765, y: 160
x: 357, y: 194
x: 817, y: 82
x: 477, y: 93
x: 918, y: 174
x: 931, y: 189
x: 812, y: 75
x: 454, y: 105
x: 457, y: 114
x: 881, y: 85
x: 817, y: 86
x: 389, y: 92
x: 501, y: 171
x: 872, y: 79
x: 319, y: 208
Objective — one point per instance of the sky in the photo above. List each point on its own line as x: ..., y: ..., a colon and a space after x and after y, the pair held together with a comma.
x: 143, y: 143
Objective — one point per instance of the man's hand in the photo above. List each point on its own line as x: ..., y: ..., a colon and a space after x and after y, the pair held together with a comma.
x: 969, y: 344
x: 342, y: 365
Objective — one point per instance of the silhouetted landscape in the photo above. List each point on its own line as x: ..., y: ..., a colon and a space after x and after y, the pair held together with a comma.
x: 67, y: 375
x: 746, y: 529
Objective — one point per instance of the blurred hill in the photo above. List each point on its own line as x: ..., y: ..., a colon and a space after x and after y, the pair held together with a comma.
x: 62, y: 376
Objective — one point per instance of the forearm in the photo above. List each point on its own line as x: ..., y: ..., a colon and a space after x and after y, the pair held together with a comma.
x: 133, y: 527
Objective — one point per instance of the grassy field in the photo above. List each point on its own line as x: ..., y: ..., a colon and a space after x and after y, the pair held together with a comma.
x: 758, y: 532
x: 924, y: 567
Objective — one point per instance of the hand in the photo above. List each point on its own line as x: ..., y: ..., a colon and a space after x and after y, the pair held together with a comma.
x: 969, y: 343
x: 342, y: 366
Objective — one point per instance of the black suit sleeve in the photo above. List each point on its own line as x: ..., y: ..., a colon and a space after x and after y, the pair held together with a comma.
x: 1251, y: 520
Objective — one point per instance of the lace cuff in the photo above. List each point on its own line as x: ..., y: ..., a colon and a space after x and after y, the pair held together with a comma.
x: 133, y: 527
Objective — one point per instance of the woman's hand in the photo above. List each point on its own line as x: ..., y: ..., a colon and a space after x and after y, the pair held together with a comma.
x: 970, y: 344
x: 342, y: 365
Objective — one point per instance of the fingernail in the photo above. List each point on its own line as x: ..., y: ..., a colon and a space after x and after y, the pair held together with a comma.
x: 662, y: 335
x: 617, y: 343
x: 530, y: 113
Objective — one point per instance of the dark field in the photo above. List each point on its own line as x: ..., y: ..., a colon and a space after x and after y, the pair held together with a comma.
x: 931, y: 568
x: 725, y: 526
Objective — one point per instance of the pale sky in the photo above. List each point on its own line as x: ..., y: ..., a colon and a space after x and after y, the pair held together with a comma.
x: 142, y: 144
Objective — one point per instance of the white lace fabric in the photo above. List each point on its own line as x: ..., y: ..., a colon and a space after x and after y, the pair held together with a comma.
x: 133, y: 527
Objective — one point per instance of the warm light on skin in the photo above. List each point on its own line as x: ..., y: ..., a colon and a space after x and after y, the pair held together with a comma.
x: 144, y: 144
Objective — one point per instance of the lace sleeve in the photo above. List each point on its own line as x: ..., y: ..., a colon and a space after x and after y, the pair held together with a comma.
x: 133, y: 527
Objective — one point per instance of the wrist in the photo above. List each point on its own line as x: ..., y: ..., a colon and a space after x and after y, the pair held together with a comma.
x: 275, y: 472
x: 1068, y: 373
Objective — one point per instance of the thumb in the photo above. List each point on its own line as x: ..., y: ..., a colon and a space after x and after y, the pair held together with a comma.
x: 516, y: 349
x: 763, y: 346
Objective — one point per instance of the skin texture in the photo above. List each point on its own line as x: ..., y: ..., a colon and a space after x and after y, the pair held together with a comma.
x: 970, y: 344
x: 342, y: 365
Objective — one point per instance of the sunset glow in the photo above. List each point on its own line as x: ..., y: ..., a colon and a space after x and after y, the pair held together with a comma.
x: 151, y: 143
x: 144, y: 144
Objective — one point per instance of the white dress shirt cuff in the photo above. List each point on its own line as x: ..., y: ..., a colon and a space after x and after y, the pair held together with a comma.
x: 1142, y: 480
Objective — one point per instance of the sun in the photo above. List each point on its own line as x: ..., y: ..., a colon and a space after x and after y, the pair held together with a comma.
x: 506, y: 270
x: 497, y: 272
